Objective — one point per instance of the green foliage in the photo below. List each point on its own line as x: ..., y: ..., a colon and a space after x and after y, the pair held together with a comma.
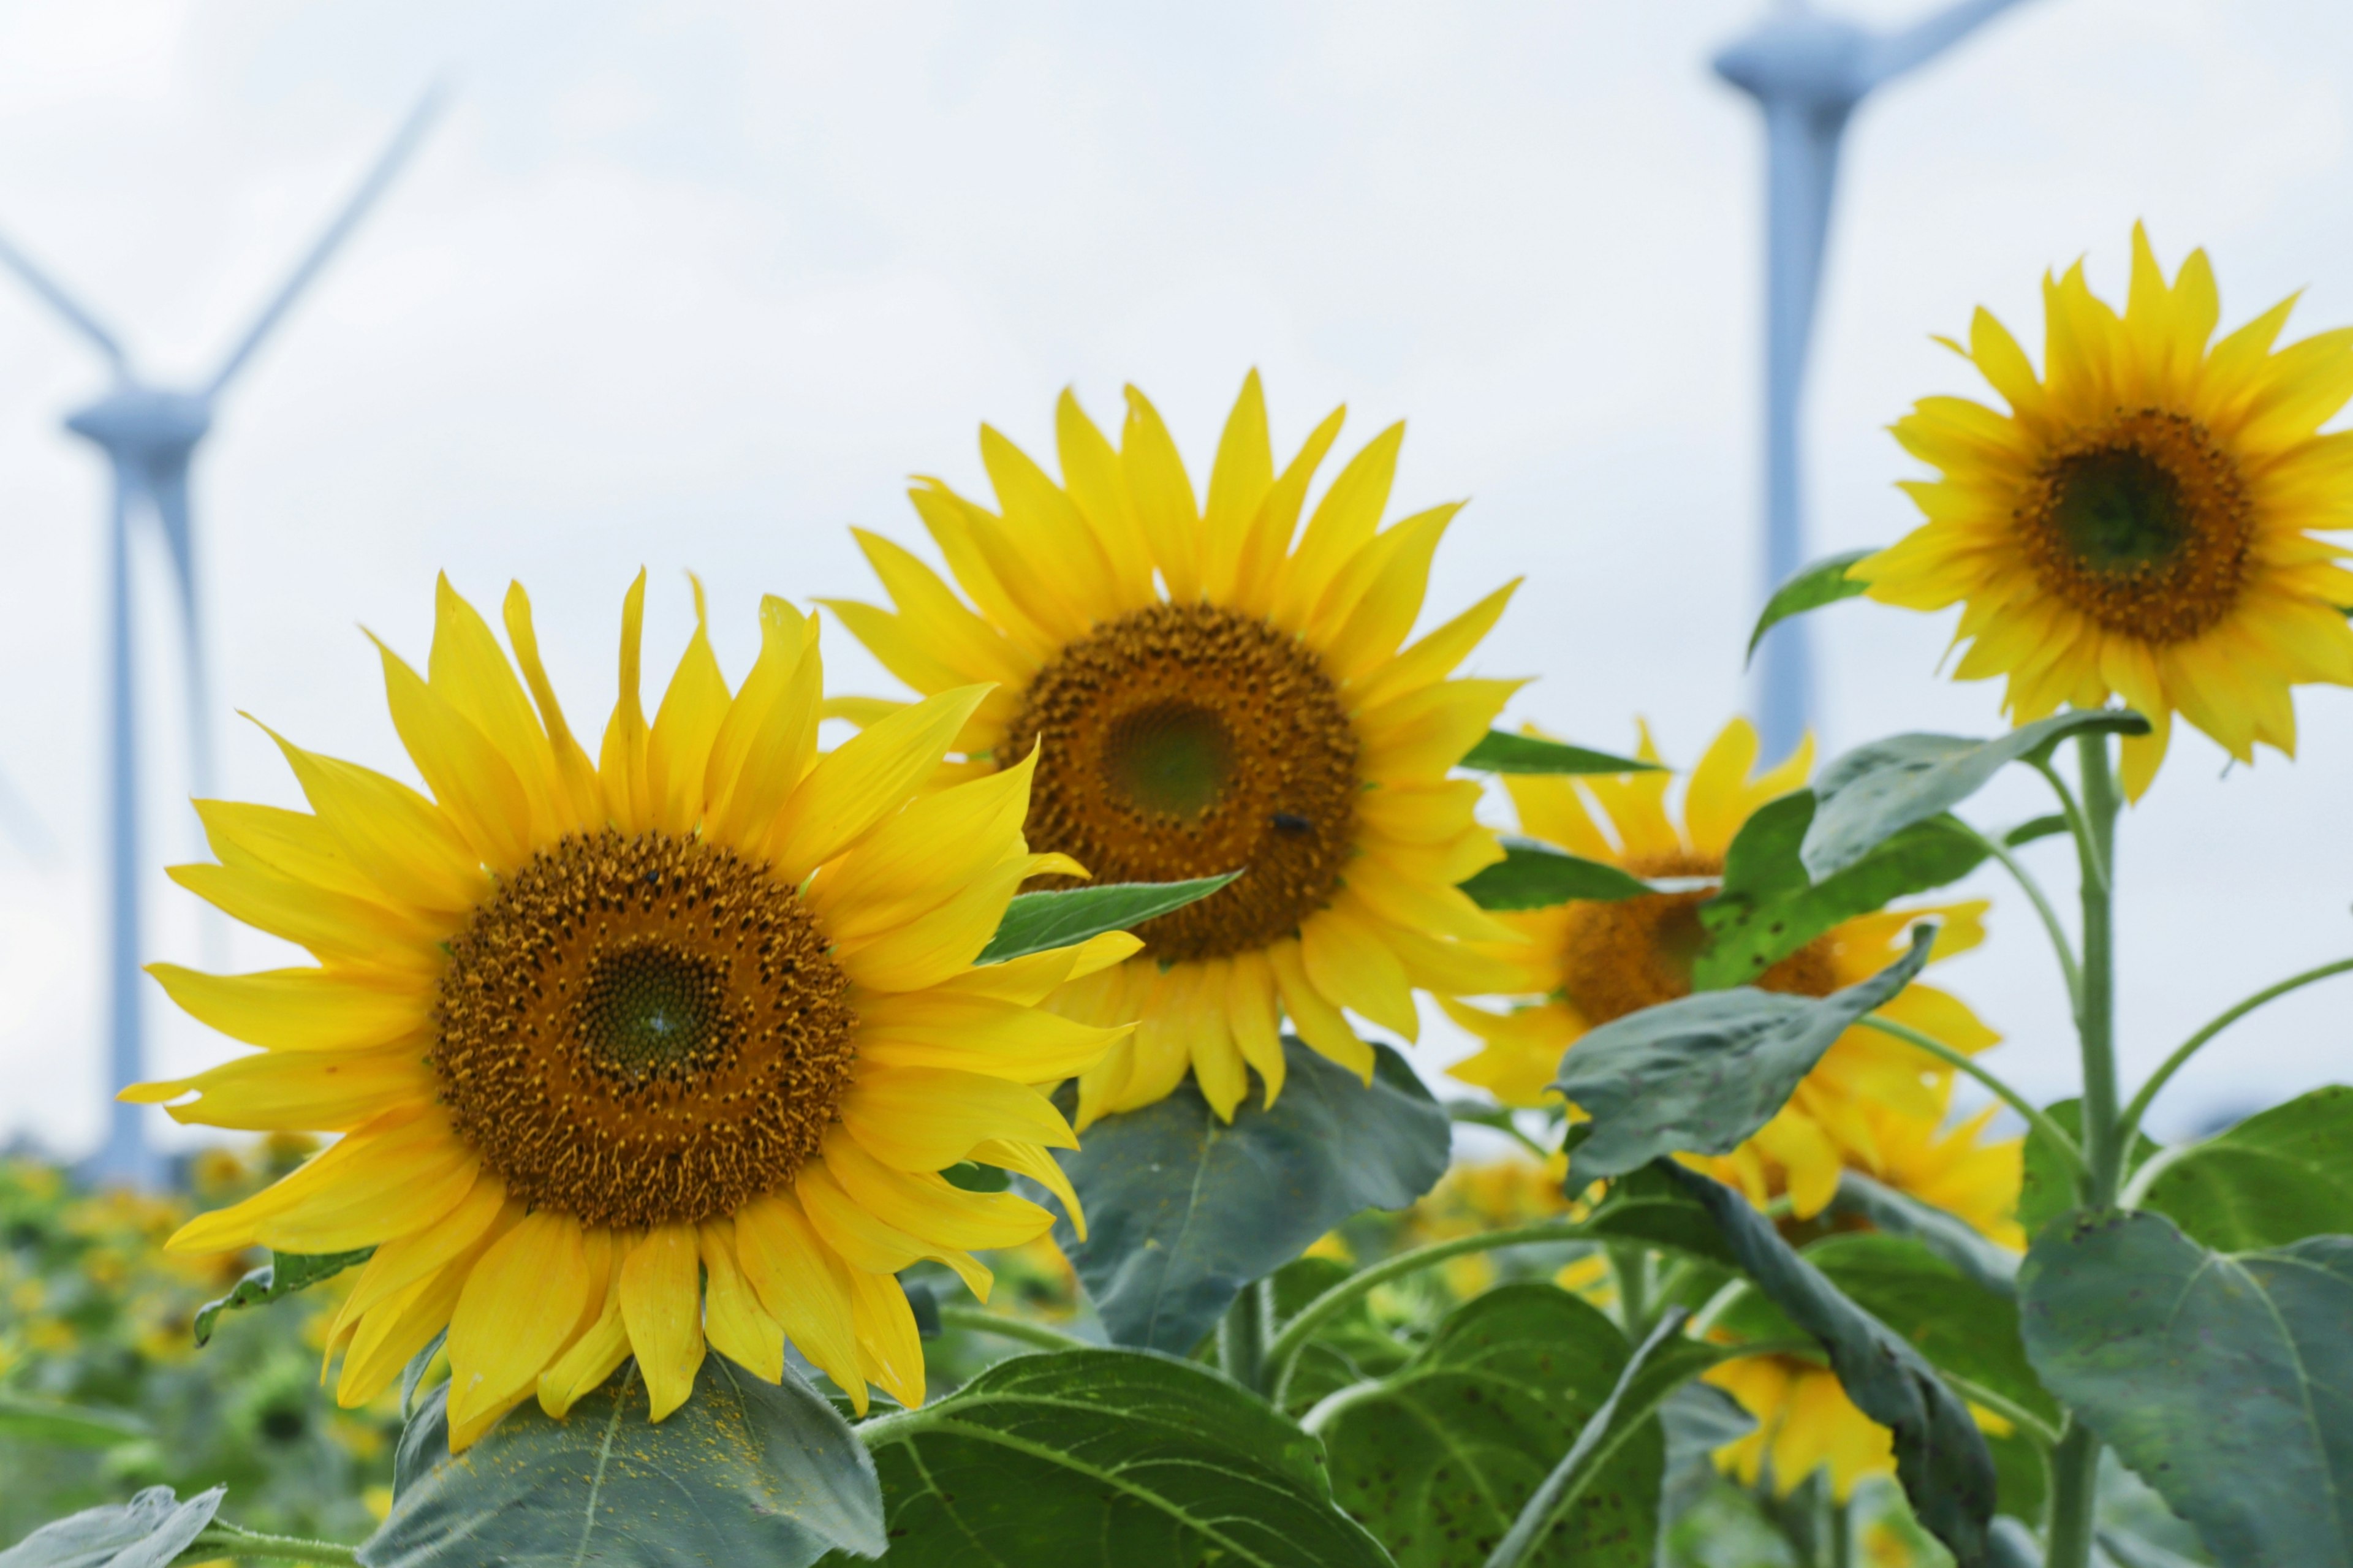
x: 2220, y: 1377
x: 1108, y: 1460
x: 71, y: 1426
x: 1500, y: 752
x: 2279, y: 1177
x: 2047, y: 1190
x: 1182, y: 1210
x: 1440, y: 1457
x: 1034, y: 922
x: 743, y: 1472
x: 1948, y: 1237
x: 1811, y: 586
x: 146, y: 1533
x: 1770, y: 907
x: 1530, y: 877
x: 285, y: 1273
x: 1875, y: 792
x: 1703, y: 1073
x: 1940, y: 1457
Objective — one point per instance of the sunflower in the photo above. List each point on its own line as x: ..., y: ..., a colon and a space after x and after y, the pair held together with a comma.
x: 1594, y: 962
x: 1215, y: 690
x: 1805, y: 1421
x: 2140, y: 524
x: 641, y: 1056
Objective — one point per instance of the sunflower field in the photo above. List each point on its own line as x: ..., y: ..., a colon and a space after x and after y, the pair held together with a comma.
x: 1001, y: 1137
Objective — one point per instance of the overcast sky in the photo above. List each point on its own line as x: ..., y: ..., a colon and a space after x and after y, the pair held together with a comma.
x: 695, y: 286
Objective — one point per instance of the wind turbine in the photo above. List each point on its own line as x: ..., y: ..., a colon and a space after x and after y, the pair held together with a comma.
x: 149, y: 432
x: 1807, y: 72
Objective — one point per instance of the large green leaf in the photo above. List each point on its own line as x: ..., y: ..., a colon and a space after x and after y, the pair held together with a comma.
x: 744, y: 1471
x: 67, y: 1426
x: 2047, y: 1189
x: 1350, y: 1348
x: 2279, y: 1177
x: 1439, y: 1459
x: 1876, y: 790
x: 1940, y: 1457
x: 1108, y: 1460
x: 1770, y: 907
x: 1701, y: 1073
x: 148, y: 1531
x: 284, y: 1274
x: 1182, y: 1210
x: 1501, y: 751
x: 2225, y: 1380
x: 1530, y: 877
x: 1035, y: 921
x: 1817, y: 583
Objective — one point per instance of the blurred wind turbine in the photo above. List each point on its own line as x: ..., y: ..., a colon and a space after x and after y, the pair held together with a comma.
x: 1807, y: 72
x: 149, y: 432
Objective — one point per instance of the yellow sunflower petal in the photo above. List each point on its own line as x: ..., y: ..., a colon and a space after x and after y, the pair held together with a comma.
x: 738, y: 1327
x: 803, y: 1284
x: 661, y: 1307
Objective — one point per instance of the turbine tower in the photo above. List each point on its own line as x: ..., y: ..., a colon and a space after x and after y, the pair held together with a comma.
x: 1807, y: 72
x: 149, y: 432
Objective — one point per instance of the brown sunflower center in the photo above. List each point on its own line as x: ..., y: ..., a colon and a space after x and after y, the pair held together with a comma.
x: 1187, y: 739
x: 641, y: 1030
x: 2143, y: 524
x: 1620, y: 958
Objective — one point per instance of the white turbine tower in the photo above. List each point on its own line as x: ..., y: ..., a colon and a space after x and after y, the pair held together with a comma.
x: 1807, y: 72
x: 149, y: 432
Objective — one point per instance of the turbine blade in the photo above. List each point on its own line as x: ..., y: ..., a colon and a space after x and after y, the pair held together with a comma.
x: 65, y: 305
x: 404, y: 142
x: 1897, y: 52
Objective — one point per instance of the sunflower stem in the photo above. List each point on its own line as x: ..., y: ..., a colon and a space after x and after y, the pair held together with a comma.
x: 2074, y: 1485
x: 2128, y: 1123
x: 222, y: 1539
x: 981, y: 1321
x: 1241, y: 1336
x: 2035, y: 1116
x: 2062, y: 944
x: 1631, y: 1266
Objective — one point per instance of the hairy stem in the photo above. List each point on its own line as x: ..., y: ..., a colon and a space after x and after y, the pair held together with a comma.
x: 2129, y: 1123
x: 221, y: 1539
x: 1242, y: 1337
x: 2035, y: 1116
x: 981, y: 1321
x: 2060, y: 943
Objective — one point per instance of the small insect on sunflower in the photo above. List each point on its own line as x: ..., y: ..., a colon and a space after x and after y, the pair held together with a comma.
x: 2141, y: 522
x: 641, y: 1056
x: 1204, y: 688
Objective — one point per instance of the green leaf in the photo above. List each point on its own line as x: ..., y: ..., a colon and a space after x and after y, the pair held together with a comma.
x: 1644, y: 1206
x: 2279, y: 1177
x: 67, y: 1426
x: 1107, y: 1459
x: 1824, y: 581
x: 1182, y: 1210
x: 2220, y: 1378
x: 1954, y: 1321
x: 1501, y: 751
x: 1530, y: 877
x: 1350, y: 1348
x: 1940, y: 1457
x: 2047, y: 1188
x: 1439, y: 1459
x: 1034, y: 922
x: 148, y: 1531
x: 1701, y: 1073
x: 1876, y: 790
x: 1770, y: 907
x: 284, y: 1274
x: 1949, y: 1237
x: 744, y: 1471
x: 2039, y: 827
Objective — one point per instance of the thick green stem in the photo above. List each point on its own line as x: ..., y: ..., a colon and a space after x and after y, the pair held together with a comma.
x: 1841, y: 1533
x: 2128, y: 1123
x: 1242, y: 1337
x: 2074, y: 1488
x: 223, y: 1540
x: 2063, y: 1145
x: 2095, y: 1013
x: 1631, y: 1266
x: 981, y: 1321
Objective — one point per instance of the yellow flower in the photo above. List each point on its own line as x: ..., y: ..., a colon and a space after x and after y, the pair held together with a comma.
x: 2140, y: 523
x: 1596, y: 962
x: 1204, y: 687
x: 595, y: 1033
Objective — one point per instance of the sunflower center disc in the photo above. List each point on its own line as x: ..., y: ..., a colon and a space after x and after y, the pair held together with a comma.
x: 640, y: 1030
x: 1189, y: 740
x: 2143, y: 524
x: 1620, y: 958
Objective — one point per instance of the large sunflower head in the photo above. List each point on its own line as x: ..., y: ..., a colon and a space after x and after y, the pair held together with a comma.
x: 2140, y: 523
x: 635, y: 1056
x: 1595, y: 962
x: 1205, y: 686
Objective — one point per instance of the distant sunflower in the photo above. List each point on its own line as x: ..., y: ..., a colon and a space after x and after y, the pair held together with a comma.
x: 1201, y: 691
x: 638, y: 1055
x: 2140, y: 523
x: 1805, y: 1421
x: 1595, y: 962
